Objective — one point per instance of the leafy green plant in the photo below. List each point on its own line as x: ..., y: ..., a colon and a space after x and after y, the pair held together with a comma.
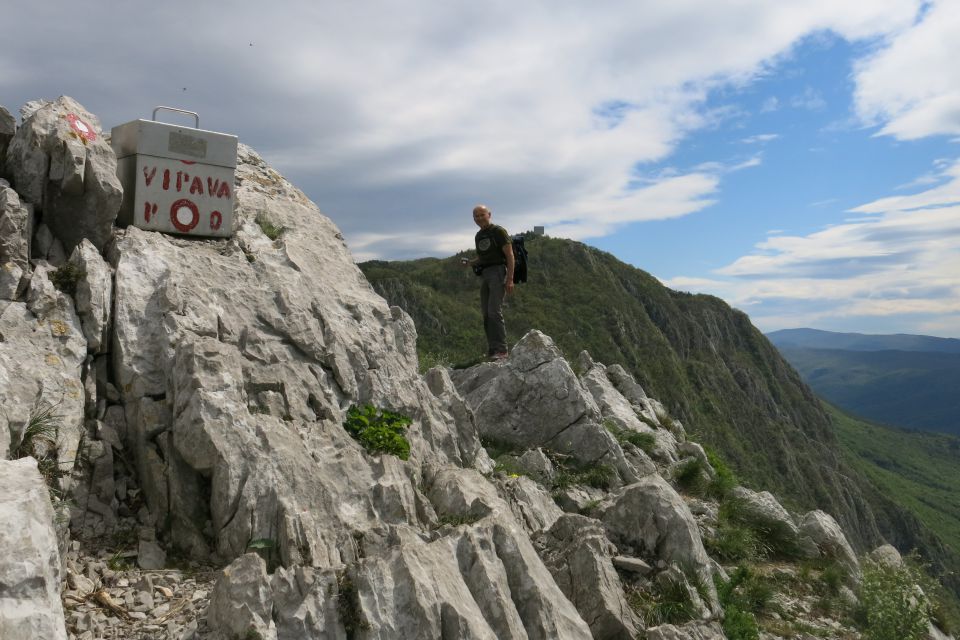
x: 269, y: 229
x: 67, y: 277
x: 379, y: 430
x: 892, y: 606
x: 265, y: 548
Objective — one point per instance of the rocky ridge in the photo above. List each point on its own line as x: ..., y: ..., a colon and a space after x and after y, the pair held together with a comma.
x: 207, y: 488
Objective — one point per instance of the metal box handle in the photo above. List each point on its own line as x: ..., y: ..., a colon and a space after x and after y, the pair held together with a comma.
x: 196, y: 116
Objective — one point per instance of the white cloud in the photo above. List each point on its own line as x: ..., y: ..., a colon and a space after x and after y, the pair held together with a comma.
x: 412, y: 111
x: 912, y: 86
x: 760, y: 138
x: 900, y: 259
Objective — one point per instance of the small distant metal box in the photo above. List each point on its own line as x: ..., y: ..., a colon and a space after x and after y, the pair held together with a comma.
x: 175, y: 179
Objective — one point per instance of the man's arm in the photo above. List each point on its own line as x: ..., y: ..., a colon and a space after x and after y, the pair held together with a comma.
x: 508, y: 254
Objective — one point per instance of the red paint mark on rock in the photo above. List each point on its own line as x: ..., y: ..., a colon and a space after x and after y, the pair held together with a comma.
x: 83, y: 129
x: 216, y: 219
x: 149, y: 176
x: 196, y: 186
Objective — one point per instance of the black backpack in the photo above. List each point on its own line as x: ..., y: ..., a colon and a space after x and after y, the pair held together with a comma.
x: 519, y: 260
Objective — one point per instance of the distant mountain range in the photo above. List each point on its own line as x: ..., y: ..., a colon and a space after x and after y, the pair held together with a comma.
x: 900, y: 380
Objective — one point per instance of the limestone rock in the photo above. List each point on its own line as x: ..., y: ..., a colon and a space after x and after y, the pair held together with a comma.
x: 15, y: 230
x: 578, y: 555
x: 237, y: 360
x: 471, y: 450
x: 626, y: 385
x: 464, y: 494
x: 11, y: 275
x: 531, y: 504
x: 47, y: 247
x: 887, y: 555
x: 61, y: 164
x: 830, y: 539
x: 764, y: 510
x: 649, y: 519
x: 484, y: 582
x: 29, y: 557
x: 241, y: 603
x: 8, y: 126
x: 94, y: 295
x: 41, y: 360
x: 535, y: 400
x: 691, y: 631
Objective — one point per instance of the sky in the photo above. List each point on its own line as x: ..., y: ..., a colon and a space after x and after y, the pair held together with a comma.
x: 799, y: 159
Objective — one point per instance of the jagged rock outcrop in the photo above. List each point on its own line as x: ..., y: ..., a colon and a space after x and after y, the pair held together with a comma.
x: 60, y: 163
x: 535, y: 399
x: 30, y: 571
x: 254, y: 349
x: 8, y: 126
x: 579, y: 555
x: 15, y: 231
x: 831, y: 541
x: 42, y: 355
x: 94, y: 295
x: 650, y: 519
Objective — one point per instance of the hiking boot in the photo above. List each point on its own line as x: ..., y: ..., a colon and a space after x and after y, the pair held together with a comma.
x: 499, y: 356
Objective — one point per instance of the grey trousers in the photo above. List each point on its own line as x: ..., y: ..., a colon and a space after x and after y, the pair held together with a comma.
x: 492, y: 291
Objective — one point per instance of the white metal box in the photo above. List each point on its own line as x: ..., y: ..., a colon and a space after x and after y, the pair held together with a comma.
x: 175, y: 179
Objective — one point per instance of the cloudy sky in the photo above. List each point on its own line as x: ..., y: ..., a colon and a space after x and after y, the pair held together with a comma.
x: 800, y: 159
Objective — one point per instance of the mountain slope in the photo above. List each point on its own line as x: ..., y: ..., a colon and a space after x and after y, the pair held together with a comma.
x: 817, y: 339
x: 704, y: 360
x: 919, y: 470
x: 913, y: 389
x: 903, y: 380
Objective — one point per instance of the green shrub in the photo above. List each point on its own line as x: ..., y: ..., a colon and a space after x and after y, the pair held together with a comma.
x: 736, y: 542
x: 725, y: 480
x: 740, y: 625
x: 599, y: 476
x: 66, y: 278
x: 746, y: 593
x: 269, y: 229
x: 668, y: 604
x: 892, y: 607
x: 775, y: 539
x: 379, y: 430
x: 691, y: 476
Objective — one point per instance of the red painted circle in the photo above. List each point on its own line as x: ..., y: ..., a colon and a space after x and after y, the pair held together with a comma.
x: 176, y: 206
x: 216, y: 219
x: 83, y: 129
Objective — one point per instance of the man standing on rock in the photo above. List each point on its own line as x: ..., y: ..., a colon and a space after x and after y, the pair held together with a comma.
x: 494, y: 265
